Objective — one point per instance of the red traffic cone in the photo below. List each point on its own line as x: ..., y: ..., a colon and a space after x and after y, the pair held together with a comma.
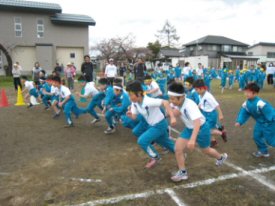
x: 4, y: 99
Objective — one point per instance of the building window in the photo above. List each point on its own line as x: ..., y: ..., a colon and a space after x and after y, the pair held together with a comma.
x: 199, y: 48
x: 191, y: 48
x: 235, y: 49
x: 226, y: 48
x: 40, y: 28
x: 18, y: 26
x: 250, y: 53
x: 72, y: 55
x: 270, y: 54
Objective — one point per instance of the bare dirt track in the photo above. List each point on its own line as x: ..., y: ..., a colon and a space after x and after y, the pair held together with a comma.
x: 40, y: 162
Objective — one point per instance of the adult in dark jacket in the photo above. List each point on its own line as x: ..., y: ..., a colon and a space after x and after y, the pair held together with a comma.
x: 139, y: 70
x: 87, y: 68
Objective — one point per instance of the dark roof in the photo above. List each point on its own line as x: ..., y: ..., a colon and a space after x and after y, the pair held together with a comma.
x: 170, y: 52
x: 74, y: 19
x: 262, y: 44
x: 29, y: 6
x: 220, y: 40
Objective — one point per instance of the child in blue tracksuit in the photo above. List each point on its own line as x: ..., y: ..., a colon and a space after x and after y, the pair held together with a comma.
x: 231, y: 78
x: 67, y: 101
x: 190, y: 90
x: 264, y: 115
x: 98, y: 99
x: 224, y: 75
x: 237, y: 74
x: 156, y: 129
x: 30, y: 88
x: 178, y: 73
x: 211, y: 110
x: 118, y: 109
x: 45, y: 88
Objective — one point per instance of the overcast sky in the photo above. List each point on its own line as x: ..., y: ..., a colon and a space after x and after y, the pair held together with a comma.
x: 248, y: 21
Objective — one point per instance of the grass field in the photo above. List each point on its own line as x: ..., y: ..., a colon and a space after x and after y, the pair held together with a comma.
x: 42, y: 163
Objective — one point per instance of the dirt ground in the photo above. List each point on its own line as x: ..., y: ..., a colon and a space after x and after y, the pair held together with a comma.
x: 41, y: 162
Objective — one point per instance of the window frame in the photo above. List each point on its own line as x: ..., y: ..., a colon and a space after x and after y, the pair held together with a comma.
x: 18, y: 23
x: 40, y: 28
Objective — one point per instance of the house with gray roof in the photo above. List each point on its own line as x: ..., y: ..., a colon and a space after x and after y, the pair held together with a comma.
x: 35, y: 31
x: 170, y: 55
x: 264, y: 50
x: 217, y: 51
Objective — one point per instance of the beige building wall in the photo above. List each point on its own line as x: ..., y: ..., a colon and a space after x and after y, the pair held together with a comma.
x: 70, y: 38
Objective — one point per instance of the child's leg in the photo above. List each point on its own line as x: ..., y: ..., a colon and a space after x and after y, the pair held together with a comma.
x: 140, y: 128
x: 211, y: 152
x: 67, y: 110
x: 269, y: 134
x: 90, y: 109
x: 54, y: 106
x: 145, y: 140
x: 179, y: 152
x: 109, y: 118
x: 259, y: 138
x: 45, y: 100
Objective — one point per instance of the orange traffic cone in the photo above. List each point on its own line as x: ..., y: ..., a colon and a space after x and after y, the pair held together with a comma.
x: 4, y: 99
x: 20, y: 99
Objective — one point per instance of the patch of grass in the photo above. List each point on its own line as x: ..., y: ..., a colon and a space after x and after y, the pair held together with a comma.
x: 6, y: 82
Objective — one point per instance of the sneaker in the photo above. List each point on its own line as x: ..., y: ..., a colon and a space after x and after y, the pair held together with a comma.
x: 220, y: 162
x: 224, y: 136
x: 260, y: 154
x: 152, y: 163
x: 30, y: 105
x: 109, y: 130
x: 69, y: 125
x: 179, y: 176
x: 94, y: 121
x: 56, y: 115
x: 165, y: 151
x: 214, y: 143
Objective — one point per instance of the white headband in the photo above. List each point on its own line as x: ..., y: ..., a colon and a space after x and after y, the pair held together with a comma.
x: 175, y: 94
x: 117, y: 87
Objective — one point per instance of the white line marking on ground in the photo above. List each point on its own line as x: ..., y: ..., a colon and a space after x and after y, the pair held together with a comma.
x: 83, y: 180
x: 174, y: 197
x: 4, y: 173
x: 174, y: 130
x: 261, y: 179
x: 149, y: 193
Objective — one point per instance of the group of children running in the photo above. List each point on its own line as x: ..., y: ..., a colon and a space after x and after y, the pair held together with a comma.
x: 143, y: 107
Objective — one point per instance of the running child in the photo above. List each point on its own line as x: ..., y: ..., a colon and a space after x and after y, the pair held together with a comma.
x: 153, y: 89
x: 196, y: 130
x: 30, y: 90
x: 190, y: 90
x: 155, y: 129
x: 264, y: 115
x: 67, y: 101
x: 211, y: 110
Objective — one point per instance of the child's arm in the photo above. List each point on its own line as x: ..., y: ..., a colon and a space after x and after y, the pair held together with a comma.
x: 218, y: 108
x: 170, y: 112
x: 152, y: 91
x: 192, y: 142
x: 64, y: 101
x: 243, y: 116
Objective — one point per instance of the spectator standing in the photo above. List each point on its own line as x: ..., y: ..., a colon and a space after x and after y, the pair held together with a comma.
x: 110, y: 72
x: 87, y: 68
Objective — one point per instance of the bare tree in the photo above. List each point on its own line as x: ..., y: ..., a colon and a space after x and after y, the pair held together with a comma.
x: 168, y: 35
x: 9, y: 59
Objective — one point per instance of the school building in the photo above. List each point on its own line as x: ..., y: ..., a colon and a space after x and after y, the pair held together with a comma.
x: 217, y: 51
x: 35, y: 31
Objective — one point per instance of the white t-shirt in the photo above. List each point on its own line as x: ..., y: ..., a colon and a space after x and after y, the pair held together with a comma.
x: 90, y: 90
x: 190, y: 112
x: 186, y: 70
x: 111, y: 71
x: 64, y: 91
x: 54, y: 90
x: 199, y: 71
x: 149, y: 109
x: 270, y: 70
x: 208, y: 103
x: 154, y: 85
x: 29, y: 85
